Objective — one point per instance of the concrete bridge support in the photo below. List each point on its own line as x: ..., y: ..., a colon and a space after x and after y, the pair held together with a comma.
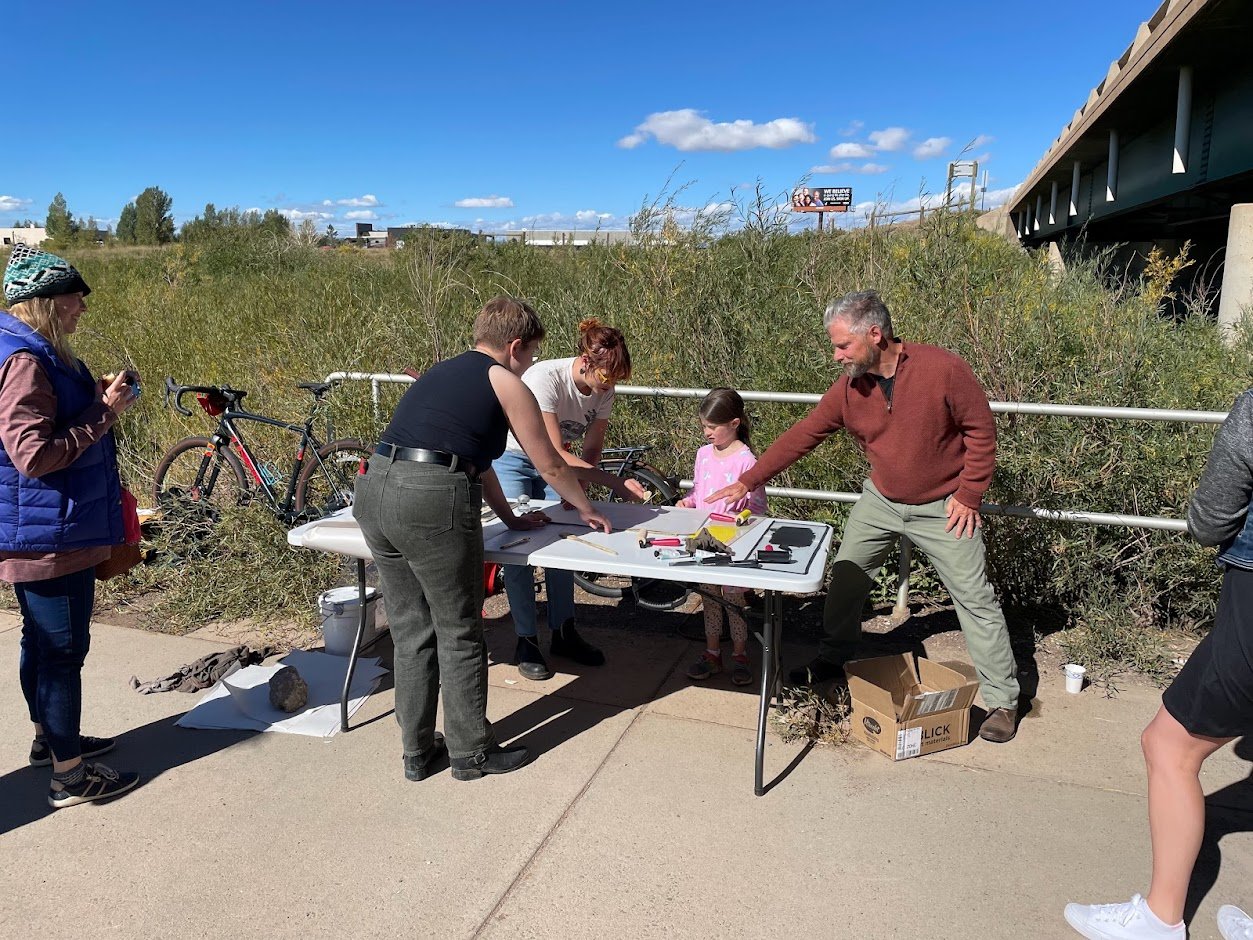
x: 1237, y: 296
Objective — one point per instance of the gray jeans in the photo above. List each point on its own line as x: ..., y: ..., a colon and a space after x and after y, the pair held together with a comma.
x: 422, y: 523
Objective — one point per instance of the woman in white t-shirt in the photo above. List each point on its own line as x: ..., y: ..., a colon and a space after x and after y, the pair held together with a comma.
x: 575, y: 398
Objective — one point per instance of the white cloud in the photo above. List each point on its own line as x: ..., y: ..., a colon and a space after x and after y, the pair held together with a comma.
x: 369, y: 199
x: 890, y: 138
x: 297, y: 215
x: 591, y: 215
x: 852, y: 128
x: 484, y: 202
x: 851, y: 150
x: 327, y: 202
x: 689, y: 130
x: 981, y: 141
x: 997, y: 197
x: 849, y: 167
x: 14, y: 204
x: 932, y: 147
x: 360, y: 215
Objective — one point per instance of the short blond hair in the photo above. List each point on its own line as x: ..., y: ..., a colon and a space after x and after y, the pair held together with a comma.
x: 504, y: 319
x: 40, y: 314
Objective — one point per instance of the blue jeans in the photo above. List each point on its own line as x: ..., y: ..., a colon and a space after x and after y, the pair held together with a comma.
x: 518, y: 477
x: 56, y: 622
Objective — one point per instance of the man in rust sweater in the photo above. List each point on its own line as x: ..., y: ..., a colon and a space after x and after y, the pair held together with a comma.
x: 923, y: 421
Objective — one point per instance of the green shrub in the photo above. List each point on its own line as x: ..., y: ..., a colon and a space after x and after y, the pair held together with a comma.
x: 702, y: 308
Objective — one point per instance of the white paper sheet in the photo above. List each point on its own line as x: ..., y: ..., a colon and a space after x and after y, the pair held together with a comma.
x: 242, y: 699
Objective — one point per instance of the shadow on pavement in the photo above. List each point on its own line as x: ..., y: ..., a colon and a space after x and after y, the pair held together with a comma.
x: 150, y: 750
x: 1227, y: 811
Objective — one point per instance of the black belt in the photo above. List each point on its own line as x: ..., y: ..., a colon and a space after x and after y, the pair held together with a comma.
x: 422, y: 455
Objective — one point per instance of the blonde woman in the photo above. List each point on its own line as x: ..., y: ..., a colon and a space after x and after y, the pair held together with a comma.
x: 60, y: 509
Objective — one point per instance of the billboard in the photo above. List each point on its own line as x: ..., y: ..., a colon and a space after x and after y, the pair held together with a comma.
x: 822, y: 199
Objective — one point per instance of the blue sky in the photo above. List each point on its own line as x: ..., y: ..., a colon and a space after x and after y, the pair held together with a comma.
x: 494, y: 116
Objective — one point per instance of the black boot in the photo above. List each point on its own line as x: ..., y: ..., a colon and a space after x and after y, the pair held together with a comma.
x: 530, y: 660
x: 495, y: 760
x: 421, y: 766
x: 568, y: 643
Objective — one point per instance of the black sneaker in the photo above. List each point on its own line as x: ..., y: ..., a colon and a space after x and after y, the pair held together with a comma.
x: 99, y: 783
x: 41, y: 755
x: 421, y: 766
x: 530, y: 660
x: 819, y: 670
x: 568, y: 643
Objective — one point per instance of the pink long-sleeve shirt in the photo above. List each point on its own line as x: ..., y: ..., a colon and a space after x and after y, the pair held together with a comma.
x: 713, y: 472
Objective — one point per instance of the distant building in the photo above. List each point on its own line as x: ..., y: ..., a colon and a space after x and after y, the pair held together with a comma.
x: 557, y: 238
x: 23, y: 236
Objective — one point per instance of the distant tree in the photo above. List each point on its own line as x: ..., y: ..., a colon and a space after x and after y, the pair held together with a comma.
x: 331, y: 233
x: 154, y: 225
x: 275, y: 223
x: 126, y: 224
x: 60, y: 224
x: 24, y: 223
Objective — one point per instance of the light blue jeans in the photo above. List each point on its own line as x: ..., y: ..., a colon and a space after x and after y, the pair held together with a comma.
x: 518, y: 476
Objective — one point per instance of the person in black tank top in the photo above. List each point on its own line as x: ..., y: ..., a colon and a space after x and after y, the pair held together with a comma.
x: 418, y: 505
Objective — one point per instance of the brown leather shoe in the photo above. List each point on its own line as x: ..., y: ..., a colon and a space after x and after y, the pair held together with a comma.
x: 1000, y: 726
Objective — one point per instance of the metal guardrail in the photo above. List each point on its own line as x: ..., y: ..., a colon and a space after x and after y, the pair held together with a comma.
x: 1160, y: 523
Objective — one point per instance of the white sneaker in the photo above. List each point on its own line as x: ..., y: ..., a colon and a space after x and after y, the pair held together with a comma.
x: 1234, y: 924
x: 1131, y: 920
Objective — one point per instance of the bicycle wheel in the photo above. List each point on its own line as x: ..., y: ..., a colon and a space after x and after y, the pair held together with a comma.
x: 194, y: 475
x: 648, y: 592
x: 326, y: 484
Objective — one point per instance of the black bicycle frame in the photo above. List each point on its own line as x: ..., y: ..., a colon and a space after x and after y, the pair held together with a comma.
x: 307, y: 440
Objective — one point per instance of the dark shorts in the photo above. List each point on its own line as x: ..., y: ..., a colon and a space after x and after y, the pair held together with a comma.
x: 1213, y: 693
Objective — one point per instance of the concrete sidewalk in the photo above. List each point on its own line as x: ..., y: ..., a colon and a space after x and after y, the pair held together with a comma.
x: 637, y: 818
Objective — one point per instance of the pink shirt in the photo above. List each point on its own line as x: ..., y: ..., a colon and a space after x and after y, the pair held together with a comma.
x: 713, y: 472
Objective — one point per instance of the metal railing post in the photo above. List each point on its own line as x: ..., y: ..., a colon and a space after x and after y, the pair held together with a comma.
x: 901, y: 609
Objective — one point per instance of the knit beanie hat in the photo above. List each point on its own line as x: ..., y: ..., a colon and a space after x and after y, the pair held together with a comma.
x: 34, y: 273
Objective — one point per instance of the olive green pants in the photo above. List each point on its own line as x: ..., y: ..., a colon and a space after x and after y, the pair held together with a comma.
x: 874, y: 526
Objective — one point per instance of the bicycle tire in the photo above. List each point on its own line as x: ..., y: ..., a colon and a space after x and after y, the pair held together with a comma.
x: 650, y: 593
x: 326, y: 484
x: 174, y: 485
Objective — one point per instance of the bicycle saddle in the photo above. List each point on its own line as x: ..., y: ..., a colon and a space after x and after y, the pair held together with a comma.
x: 317, y: 389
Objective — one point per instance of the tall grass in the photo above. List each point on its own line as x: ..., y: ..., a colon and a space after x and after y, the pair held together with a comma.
x: 703, y: 306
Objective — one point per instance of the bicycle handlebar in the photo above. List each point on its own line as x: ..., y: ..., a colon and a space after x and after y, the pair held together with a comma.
x: 174, y: 394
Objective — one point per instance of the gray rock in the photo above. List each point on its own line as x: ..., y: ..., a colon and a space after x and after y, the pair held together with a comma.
x: 288, y: 690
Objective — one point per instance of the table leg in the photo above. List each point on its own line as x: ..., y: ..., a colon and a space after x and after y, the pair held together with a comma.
x: 356, y: 645
x: 771, y: 636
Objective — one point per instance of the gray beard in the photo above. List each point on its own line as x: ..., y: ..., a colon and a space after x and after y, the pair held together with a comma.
x: 856, y: 370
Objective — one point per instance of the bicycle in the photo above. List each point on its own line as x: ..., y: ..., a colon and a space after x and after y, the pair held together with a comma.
x: 649, y: 593
x: 222, y: 470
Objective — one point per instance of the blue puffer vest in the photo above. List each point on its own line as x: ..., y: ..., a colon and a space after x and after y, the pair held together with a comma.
x: 1239, y: 554
x: 75, y: 507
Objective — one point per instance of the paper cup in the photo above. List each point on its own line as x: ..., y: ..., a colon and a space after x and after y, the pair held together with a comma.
x: 1074, y: 678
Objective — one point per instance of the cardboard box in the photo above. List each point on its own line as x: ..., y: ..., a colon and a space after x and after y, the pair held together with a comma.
x: 903, y: 709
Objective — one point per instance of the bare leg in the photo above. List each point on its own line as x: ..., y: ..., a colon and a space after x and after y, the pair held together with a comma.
x: 1173, y: 757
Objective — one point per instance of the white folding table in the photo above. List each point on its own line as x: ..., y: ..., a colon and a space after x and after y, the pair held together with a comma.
x: 808, y: 542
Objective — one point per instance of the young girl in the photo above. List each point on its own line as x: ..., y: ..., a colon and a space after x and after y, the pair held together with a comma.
x: 718, y: 463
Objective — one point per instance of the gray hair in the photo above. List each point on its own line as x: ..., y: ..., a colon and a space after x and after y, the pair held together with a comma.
x: 860, y: 310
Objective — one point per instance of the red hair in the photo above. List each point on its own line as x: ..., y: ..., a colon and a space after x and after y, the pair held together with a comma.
x: 605, y: 348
